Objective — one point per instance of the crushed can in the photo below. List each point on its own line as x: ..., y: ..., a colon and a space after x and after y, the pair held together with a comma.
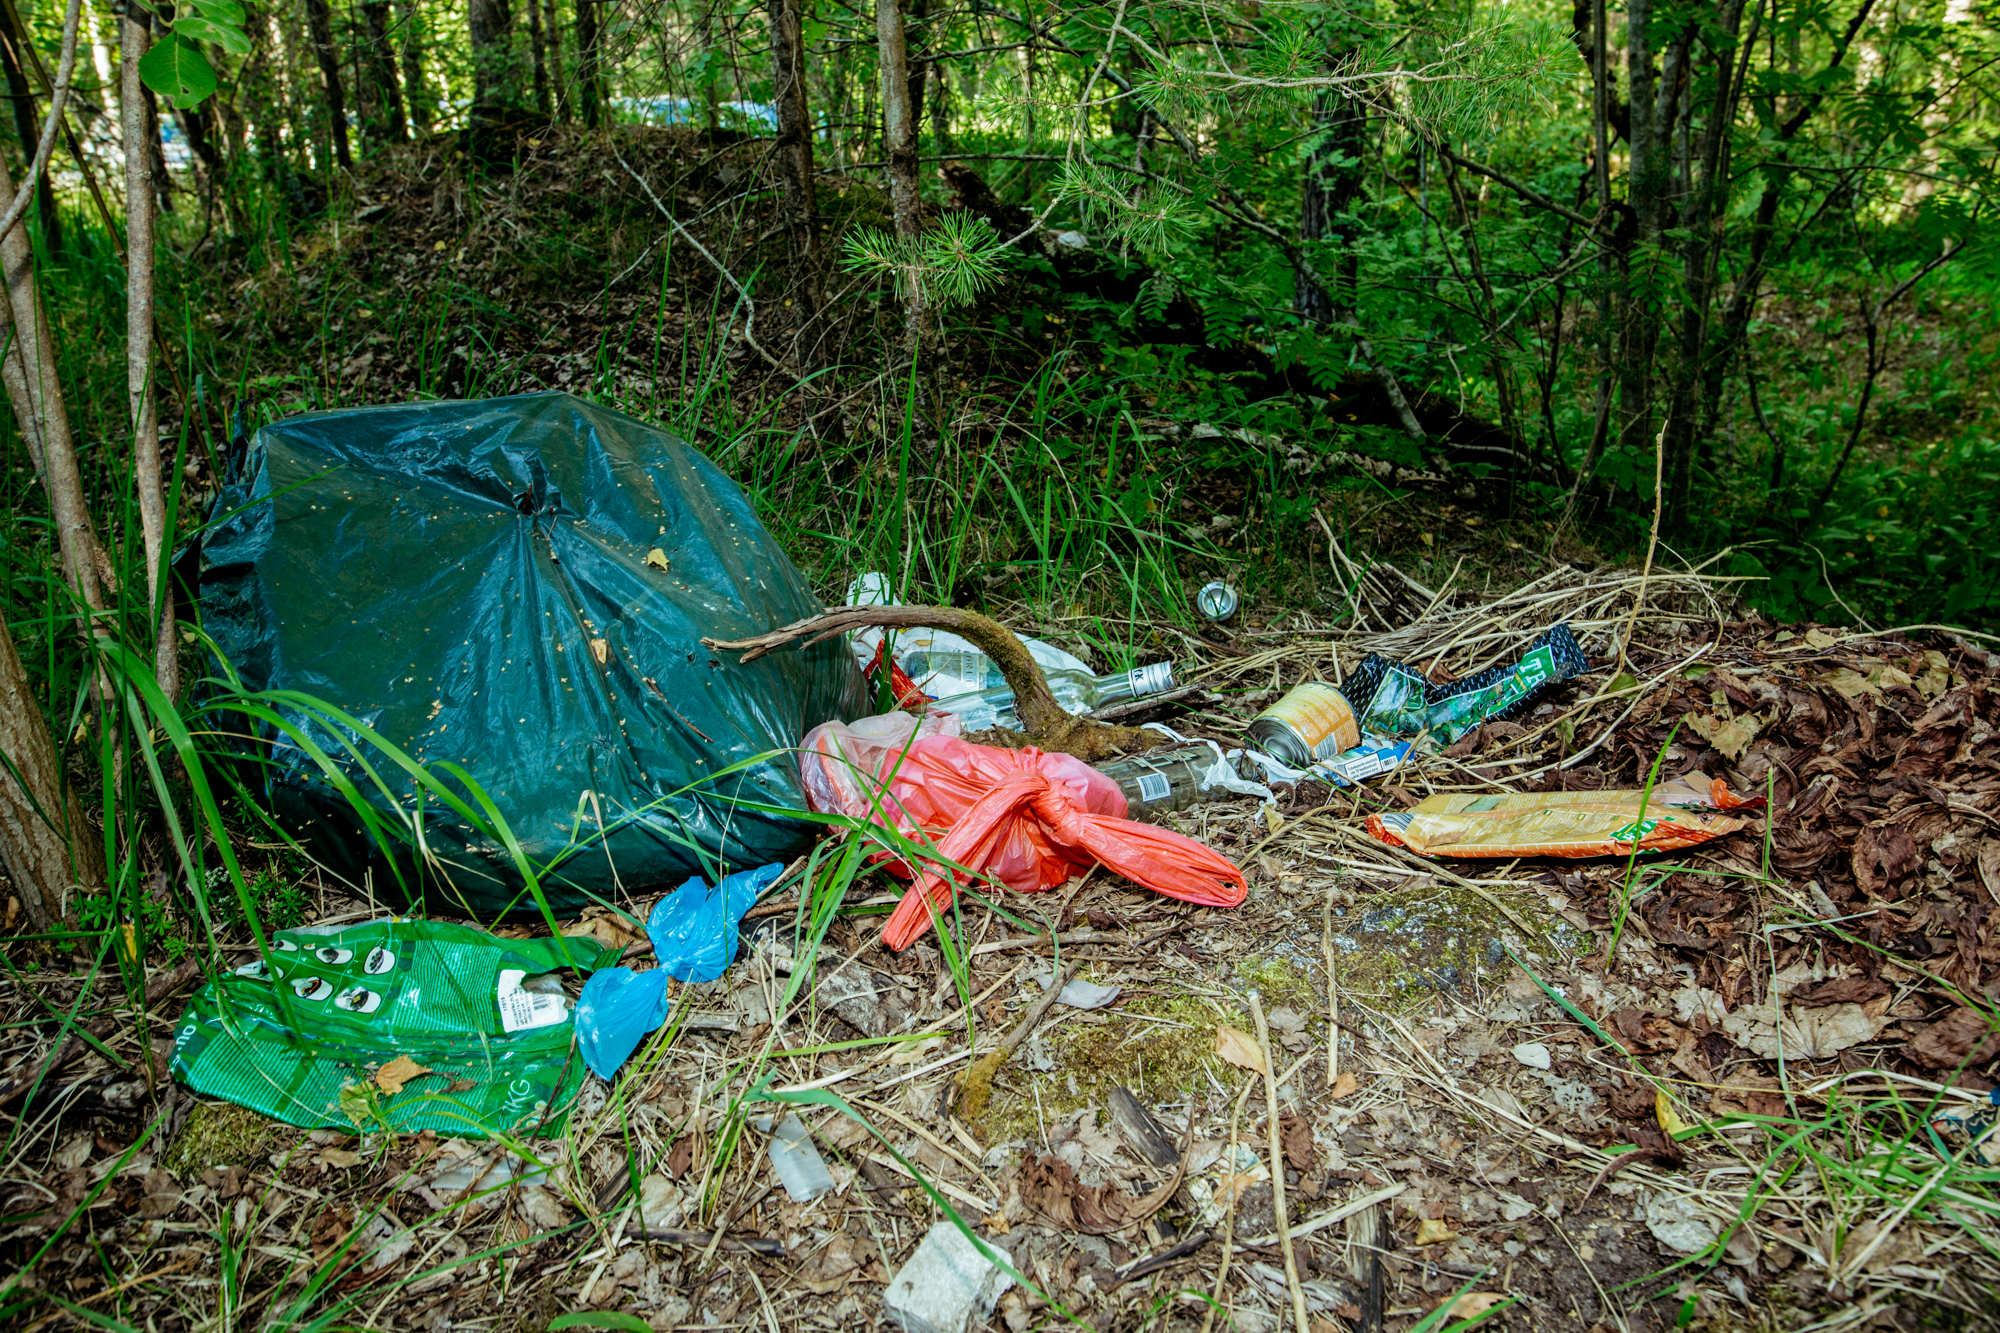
x: 1313, y: 722
x: 1217, y: 601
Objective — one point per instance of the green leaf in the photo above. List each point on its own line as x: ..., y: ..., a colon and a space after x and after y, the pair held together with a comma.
x: 178, y: 71
x: 600, y: 1319
x: 222, y: 11
x: 195, y: 28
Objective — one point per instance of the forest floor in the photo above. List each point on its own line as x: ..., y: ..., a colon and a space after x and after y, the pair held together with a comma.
x: 1752, y: 1115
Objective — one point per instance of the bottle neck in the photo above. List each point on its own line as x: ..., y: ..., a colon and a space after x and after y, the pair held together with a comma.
x: 1137, y: 683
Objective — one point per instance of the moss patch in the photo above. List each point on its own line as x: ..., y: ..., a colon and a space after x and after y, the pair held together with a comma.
x: 1397, y: 950
x: 220, y: 1134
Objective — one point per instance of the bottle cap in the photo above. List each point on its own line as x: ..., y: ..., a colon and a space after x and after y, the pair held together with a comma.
x: 1156, y: 678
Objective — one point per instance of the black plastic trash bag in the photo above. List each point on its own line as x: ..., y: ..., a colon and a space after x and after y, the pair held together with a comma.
x: 521, y: 586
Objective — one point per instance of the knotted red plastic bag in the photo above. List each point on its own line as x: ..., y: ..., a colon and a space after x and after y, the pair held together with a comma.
x: 1027, y: 819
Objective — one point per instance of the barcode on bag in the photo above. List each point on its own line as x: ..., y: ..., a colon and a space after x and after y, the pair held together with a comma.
x: 1154, y: 787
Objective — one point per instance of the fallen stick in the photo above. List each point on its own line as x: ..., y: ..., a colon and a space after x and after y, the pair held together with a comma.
x: 979, y: 1078
x: 160, y: 988
x: 749, y: 1244
x: 1278, y: 1166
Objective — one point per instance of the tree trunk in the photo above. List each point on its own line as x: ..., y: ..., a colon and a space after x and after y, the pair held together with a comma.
x: 45, y: 845
x: 25, y: 125
x: 319, y: 24
x: 586, y: 62
x: 535, y: 49
x: 1644, y: 171
x: 899, y: 128
x: 414, y: 87
x: 1331, y: 183
x: 142, y: 404
x: 794, y: 152
x: 385, y: 109
x: 552, y: 30
x: 44, y: 414
x: 496, y: 82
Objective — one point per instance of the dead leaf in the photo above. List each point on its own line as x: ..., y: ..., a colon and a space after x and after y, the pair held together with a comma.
x: 1295, y: 1140
x: 1806, y: 1034
x: 1239, y: 1048
x: 601, y: 650
x: 1962, y: 1037
x: 1663, y: 1111
x: 1344, y: 1086
x: 340, y: 1157
x: 1819, y: 638
x: 1730, y: 736
x: 1048, y: 1189
x: 1882, y: 859
x: 1474, y: 1304
x: 392, y: 1076
x: 1840, y: 990
x: 1432, y: 1231
x: 657, y: 558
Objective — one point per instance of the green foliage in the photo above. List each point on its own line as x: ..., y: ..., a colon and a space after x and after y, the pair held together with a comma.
x: 177, y: 70
x: 949, y: 265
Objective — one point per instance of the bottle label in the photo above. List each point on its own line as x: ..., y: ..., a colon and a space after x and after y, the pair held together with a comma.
x: 1154, y: 787
x: 1156, y: 678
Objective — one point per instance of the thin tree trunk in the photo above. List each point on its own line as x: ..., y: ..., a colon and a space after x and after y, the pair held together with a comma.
x: 1644, y: 170
x: 1331, y: 182
x: 794, y: 152
x: 552, y: 30
x: 899, y: 130
x: 386, y: 111
x: 1698, y: 272
x: 142, y: 404
x: 414, y: 88
x: 84, y: 563
x: 586, y: 61
x: 319, y: 24
x: 23, y: 95
x: 536, y: 52
x: 45, y: 845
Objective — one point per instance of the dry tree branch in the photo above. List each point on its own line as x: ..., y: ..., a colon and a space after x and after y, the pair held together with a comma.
x: 1047, y: 725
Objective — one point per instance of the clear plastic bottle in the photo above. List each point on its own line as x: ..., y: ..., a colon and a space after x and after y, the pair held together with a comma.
x: 1076, y: 691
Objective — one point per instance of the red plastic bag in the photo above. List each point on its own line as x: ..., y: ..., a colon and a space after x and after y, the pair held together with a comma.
x: 1027, y: 819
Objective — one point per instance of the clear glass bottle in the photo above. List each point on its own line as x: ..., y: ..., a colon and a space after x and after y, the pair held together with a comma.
x: 1159, y: 781
x: 1076, y: 691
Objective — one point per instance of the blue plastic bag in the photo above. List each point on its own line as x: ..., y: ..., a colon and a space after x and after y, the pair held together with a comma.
x: 694, y: 927
x: 694, y: 939
x: 617, y: 1009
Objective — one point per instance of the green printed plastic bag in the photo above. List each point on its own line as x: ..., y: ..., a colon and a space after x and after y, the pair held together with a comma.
x: 484, y: 1018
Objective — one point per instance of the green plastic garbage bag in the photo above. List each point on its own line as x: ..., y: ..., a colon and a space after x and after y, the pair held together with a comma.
x: 481, y: 1026
x: 520, y: 586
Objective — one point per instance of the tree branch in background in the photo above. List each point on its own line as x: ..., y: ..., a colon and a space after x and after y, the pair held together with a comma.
x: 57, y: 98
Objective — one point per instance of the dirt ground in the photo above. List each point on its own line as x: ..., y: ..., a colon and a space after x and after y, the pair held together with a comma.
x: 1753, y: 1115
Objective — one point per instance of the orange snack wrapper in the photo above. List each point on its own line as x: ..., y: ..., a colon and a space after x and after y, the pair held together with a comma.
x: 1683, y: 812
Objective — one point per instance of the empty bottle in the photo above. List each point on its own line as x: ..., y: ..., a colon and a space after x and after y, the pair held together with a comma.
x: 1076, y: 691
x: 1160, y: 781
